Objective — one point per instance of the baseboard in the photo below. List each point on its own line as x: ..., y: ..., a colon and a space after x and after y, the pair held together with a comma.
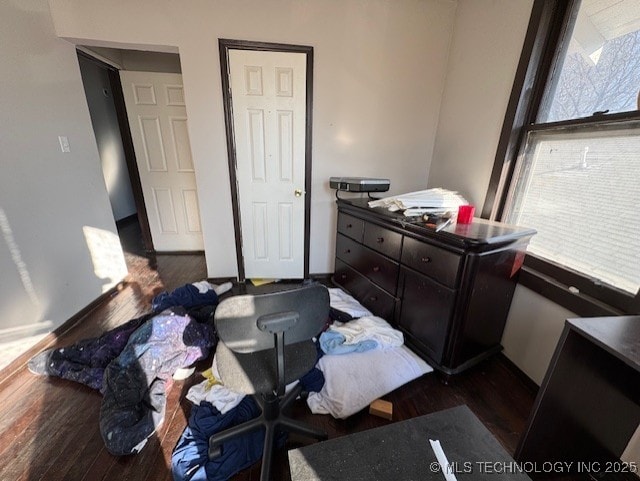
x: 47, y: 341
x: 178, y: 253
x: 234, y: 280
x: 529, y: 383
x: 221, y: 280
x: 321, y: 277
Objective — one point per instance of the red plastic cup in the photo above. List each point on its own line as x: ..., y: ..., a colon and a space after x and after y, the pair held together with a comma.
x: 465, y: 214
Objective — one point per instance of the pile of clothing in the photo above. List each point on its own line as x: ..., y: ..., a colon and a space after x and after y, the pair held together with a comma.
x: 216, y: 408
x: 350, y: 329
x: 132, y: 365
x: 365, y: 358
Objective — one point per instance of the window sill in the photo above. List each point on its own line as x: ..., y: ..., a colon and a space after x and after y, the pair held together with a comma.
x: 571, y: 299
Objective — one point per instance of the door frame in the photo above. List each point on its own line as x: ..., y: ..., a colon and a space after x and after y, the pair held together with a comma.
x: 224, y: 46
x: 132, y: 164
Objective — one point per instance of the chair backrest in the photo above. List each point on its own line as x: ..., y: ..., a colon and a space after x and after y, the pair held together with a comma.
x: 236, y: 317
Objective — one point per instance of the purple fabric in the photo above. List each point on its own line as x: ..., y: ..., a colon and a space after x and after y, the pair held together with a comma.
x: 134, y: 383
x: 86, y: 360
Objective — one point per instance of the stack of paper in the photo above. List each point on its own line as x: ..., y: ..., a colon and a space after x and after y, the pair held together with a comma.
x: 430, y: 201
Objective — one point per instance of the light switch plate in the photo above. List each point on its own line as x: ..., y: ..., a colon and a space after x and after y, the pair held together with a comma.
x: 64, y: 143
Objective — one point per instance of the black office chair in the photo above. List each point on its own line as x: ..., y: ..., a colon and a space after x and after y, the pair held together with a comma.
x: 265, y: 344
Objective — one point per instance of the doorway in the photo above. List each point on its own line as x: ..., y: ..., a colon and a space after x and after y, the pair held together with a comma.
x: 101, y: 70
x: 268, y: 97
x: 103, y: 92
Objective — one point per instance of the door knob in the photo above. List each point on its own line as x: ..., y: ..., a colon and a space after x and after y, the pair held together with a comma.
x: 298, y: 192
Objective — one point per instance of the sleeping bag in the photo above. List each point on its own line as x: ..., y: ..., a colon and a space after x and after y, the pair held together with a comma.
x: 135, y: 382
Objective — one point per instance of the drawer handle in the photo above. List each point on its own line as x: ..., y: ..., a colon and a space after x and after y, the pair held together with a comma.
x: 343, y: 276
x: 347, y: 251
x: 426, y: 259
x: 373, y: 298
x: 380, y: 240
x: 376, y: 269
x: 349, y: 226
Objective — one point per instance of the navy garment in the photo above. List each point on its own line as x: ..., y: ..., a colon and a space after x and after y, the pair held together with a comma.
x: 86, y: 360
x: 190, y: 458
x: 187, y: 296
x: 203, y: 313
x: 338, y: 315
x: 313, y: 381
x: 134, y: 383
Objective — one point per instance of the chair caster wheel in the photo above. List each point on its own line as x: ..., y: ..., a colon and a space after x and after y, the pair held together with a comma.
x: 215, y: 452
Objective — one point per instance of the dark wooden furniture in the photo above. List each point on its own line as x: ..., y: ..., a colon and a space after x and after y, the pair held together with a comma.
x: 402, y: 451
x: 588, y: 406
x: 448, y: 291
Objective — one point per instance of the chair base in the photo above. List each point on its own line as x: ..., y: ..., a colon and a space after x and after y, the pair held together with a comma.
x: 272, y: 420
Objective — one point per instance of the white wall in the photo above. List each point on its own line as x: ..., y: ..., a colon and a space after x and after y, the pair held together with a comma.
x: 485, y: 50
x: 104, y: 120
x: 57, y: 246
x: 378, y: 78
x: 533, y: 328
x: 486, y: 46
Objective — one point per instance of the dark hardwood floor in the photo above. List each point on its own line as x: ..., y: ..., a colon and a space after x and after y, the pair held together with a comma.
x: 49, y: 427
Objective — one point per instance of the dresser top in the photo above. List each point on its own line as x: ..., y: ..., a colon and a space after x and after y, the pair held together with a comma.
x: 480, y: 232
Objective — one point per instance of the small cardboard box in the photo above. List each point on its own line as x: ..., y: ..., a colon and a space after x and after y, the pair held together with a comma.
x: 381, y: 408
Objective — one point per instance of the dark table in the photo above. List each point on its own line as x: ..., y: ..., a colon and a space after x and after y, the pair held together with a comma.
x: 401, y: 451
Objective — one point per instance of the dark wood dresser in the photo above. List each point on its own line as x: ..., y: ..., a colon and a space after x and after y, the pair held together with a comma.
x: 448, y: 291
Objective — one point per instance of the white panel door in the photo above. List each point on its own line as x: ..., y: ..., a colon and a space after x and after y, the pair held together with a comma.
x: 268, y: 91
x: 158, y: 122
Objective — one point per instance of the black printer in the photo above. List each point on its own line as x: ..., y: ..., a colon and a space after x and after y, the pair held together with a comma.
x: 359, y: 184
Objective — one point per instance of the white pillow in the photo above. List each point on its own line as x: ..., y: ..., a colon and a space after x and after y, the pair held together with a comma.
x: 355, y: 380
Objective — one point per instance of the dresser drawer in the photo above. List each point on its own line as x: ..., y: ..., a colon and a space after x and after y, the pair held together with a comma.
x: 383, y: 240
x: 348, y: 250
x: 379, y: 302
x: 425, y: 313
x: 433, y: 261
x: 350, y: 226
x: 376, y: 267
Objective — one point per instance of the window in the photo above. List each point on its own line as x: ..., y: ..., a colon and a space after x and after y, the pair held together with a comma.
x: 600, y: 71
x: 575, y: 171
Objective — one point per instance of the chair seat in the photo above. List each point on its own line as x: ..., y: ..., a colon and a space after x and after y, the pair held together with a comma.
x: 256, y: 372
